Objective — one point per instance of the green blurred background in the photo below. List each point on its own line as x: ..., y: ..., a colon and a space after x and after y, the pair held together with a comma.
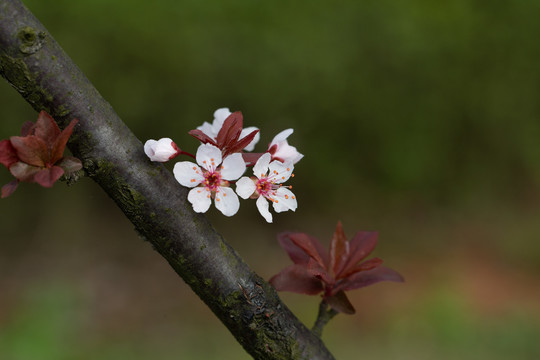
x: 418, y: 119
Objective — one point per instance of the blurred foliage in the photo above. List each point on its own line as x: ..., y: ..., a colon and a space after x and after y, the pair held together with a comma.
x: 419, y: 119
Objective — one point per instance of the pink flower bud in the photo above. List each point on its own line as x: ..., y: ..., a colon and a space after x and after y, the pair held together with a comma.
x: 161, y: 150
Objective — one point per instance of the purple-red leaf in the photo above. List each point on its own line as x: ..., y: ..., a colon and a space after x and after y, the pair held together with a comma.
x: 27, y: 128
x: 8, y: 155
x: 339, y: 249
x: 315, y: 269
x: 311, y: 247
x: 340, y: 303
x: 365, y: 278
x: 47, y: 177
x: 9, y: 188
x: 251, y: 158
x: 230, y: 130
x: 202, y: 137
x: 69, y: 164
x: 46, y: 128
x: 365, y: 266
x: 295, y: 278
x: 23, y: 171
x: 242, y: 143
x: 31, y: 149
x: 59, y: 144
x: 360, y: 246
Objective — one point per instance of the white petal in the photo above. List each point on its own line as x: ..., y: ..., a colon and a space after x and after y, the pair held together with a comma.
x: 208, y: 156
x: 164, y: 150
x: 260, y: 169
x: 262, y: 205
x: 282, y: 136
x: 245, y: 132
x: 280, y: 172
x: 149, y: 147
x: 245, y: 187
x: 188, y: 174
x: 287, y: 152
x: 233, y: 167
x: 285, y: 200
x: 226, y: 201
x: 220, y: 115
x: 208, y: 129
x: 200, y: 199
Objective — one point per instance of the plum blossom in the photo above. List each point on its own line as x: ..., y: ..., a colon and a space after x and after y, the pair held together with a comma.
x: 161, y: 150
x: 220, y: 115
x: 267, y: 185
x: 280, y: 149
x: 210, y: 179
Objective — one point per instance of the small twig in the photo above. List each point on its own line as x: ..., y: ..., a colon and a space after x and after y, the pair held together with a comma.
x: 324, y: 316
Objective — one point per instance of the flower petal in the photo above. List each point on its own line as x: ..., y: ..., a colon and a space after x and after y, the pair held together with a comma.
x: 245, y: 187
x: 188, y: 174
x: 280, y: 172
x: 226, y: 201
x: 282, y: 136
x: 199, y: 197
x: 247, y: 131
x: 263, y: 206
x: 261, y: 167
x: 208, y: 156
x: 233, y: 167
x: 286, y: 200
x: 220, y: 115
x: 295, y: 278
x: 162, y: 150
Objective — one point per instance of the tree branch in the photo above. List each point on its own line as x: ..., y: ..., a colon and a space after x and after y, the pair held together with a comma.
x: 35, y: 65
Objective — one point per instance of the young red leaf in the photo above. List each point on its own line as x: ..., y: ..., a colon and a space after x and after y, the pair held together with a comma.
x: 311, y: 247
x: 230, y: 131
x: 27, y: 128
x: 251, y: 158
x: 365, y: 278
x: 9, y: 188
x: 360, y: 246
x: 366, y: 265
x: 339, y: 249
x: 8, y: 155
x: 31, y: 149
x: 23, y: 171
x: 238, y: 146
x: 295, y: 278
x: 320, y: 272
x: 46, y: 128
x: 70, y: 164
x: 59, y: 144
x: 202, y: 137
x: 48, y: 176
x: 340, y: 303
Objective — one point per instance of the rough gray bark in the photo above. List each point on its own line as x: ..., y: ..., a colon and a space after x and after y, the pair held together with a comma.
x: 35, y: 65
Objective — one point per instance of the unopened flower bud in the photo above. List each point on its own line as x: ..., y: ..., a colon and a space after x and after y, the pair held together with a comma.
x: 161, y: 150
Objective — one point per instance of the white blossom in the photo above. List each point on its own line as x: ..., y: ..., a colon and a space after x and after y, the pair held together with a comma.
x: 161, y: 150
x: 267, y: 185
x: 280, y: 149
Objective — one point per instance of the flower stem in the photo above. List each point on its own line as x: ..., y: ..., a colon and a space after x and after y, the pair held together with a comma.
x: 324, y: 316
x: 186, y: 153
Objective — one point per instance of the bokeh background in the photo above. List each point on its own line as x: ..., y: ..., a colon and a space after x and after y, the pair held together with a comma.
x: 419, y: 119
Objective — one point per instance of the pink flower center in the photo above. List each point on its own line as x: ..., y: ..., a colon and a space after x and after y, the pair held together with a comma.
x: 212, y: 180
